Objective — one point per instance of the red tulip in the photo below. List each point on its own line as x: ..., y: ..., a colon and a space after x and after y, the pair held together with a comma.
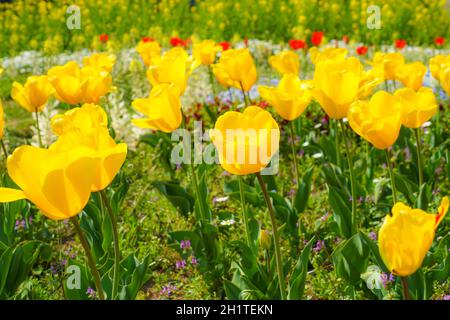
x: 147, y: 39
x: 225, y: 45
x: 316, y: 38
x: 345, y: 39
x: 439, y: 41
x: 362, y: 50
x: 178, y: 42
x: 296, y: 44
x: 103, y: 37
x: 400, y: 43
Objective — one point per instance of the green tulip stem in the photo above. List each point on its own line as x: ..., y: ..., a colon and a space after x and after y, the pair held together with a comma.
x: 419, y: 156
x: 276, y: 239
x: 193, y: 174
x: 391, y: 175
x: 210, y: 113
x: 294, y: 155
x: 112, y: 218
x: 38, y: 129
x: 5, y: 152
x: 244, y: 213
x: 406, y: 295
x: 352, y: 177
x: 336, y: 143
x: 89, y: 257
x: 246, y: 99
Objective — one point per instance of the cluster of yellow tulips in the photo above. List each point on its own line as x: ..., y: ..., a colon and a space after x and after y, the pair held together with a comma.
x: 60, y: 178
x: 84, y: 158
x: 342, y: 88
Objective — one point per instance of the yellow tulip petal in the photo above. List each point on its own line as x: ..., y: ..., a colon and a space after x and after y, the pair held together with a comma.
x: 9, y: 195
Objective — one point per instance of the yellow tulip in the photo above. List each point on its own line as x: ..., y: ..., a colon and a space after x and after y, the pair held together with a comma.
x: 437, y: 63
x: 290, y: 98
x: 33, y: 96
x: 411, y: 74
x: 444, y: 78
x: 59, y: 184
x: 405, y: 237
x: 245, y: 141
x: 88, y: 127
x: 175, y: 66
x: 285, y: 62
x: 67, y: 82
x: 389, y: 62
x: 236, y: 69
x: 96, y: 83
x: 102, y: 61
x: 148, y: 51
x: 417, y: 106
x: 378, y: 120
x: 205, y: 51
x: 336, y: 85
x: 162, y: 109
x: 337, y: 54
x: 370, y: 79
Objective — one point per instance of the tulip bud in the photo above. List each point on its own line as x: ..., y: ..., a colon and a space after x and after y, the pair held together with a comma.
x: 264, y: 239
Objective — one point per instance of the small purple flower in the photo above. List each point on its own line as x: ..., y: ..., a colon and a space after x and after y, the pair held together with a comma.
x: 319, y: 246
x: 91, y: 293
x: 325, y: 216
x: 20, y: 224
x: 167, y: 290
x: 407, y: 154
x: 180, y: 264
x: 373, y: 235
x: 301, y: 152
x: 360, y: 200
x: 324, y: 120
x: 178, y: 166
x: 291, y: 192
x: 446, y: 297
x: 385, y: 279
x: 391, y: 277
x: 436, y: 191
x: 194, y: 261
x: 185, y: 244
